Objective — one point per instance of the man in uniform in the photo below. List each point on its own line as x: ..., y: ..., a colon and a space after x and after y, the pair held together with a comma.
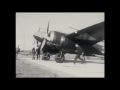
x: 79, y: 52
x: 78, y: 57
x: 33, y: 52
x: 38, y: 52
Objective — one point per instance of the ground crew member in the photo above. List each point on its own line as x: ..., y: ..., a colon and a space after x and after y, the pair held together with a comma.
x: 38, y: 52
x: 33, y: 52
x: 78, y: 57
x: 78, y: 54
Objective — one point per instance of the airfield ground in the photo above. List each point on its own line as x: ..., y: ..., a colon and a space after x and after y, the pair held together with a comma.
x: 26, y: 67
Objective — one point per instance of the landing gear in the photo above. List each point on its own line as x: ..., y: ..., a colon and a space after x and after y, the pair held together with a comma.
x: 59, y: 57
x: 46, y: 56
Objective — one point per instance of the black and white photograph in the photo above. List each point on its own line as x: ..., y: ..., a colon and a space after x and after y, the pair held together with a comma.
x: 60, y: 45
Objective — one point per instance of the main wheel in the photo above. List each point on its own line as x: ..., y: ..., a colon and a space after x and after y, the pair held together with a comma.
x: 59, y: 59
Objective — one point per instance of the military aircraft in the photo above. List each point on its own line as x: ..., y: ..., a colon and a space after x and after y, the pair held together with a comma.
x: 58, y: 43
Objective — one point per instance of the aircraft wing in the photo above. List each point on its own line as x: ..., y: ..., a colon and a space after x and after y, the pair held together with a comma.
x: 88, y: 36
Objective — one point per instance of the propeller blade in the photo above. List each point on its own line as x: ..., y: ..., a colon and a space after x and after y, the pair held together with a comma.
x: 43, y: 44
x: 48, y: 27
x: 39, y: 30
x: 45, y: 38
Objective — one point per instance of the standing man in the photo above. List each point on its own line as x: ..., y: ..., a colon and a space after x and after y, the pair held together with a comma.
x: 33, y: 52
x: 38, y: 52
x: 76, y: 57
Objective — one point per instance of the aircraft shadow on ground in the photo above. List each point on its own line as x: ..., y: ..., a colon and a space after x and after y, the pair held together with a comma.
x: 69, y: 61
x: 78, y: 61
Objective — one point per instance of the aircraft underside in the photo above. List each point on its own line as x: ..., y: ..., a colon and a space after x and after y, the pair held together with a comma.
x: 60, y: 53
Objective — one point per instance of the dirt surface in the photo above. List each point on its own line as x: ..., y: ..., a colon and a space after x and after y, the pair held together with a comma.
x: 27, y: 69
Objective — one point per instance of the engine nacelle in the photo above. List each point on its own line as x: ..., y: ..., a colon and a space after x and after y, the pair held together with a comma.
x: 55, y: 37
x: 60, y: 40
x: 66, y: 43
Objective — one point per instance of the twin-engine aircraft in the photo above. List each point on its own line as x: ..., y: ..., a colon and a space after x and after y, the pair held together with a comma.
x: 58, y: 43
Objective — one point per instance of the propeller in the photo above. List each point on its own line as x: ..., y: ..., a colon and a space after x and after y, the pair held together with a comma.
x: 39, y: 30
x: 45, y: 38
x: 48, y: 28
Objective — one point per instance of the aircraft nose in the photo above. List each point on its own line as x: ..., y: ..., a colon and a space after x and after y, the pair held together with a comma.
x: 37, y: 36
x: 34, y: 35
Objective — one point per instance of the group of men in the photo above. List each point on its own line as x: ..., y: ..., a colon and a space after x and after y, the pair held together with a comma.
x: 36, y: 51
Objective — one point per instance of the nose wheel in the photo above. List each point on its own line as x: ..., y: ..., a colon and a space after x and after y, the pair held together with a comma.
x: 59, y: 57
x: 46, y: 56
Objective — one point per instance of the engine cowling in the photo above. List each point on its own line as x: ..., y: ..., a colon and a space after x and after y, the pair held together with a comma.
x: 55, y: 37
x: 60, y: 40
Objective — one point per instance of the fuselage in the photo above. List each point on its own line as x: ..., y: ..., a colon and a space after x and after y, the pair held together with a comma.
x: 68, y: 46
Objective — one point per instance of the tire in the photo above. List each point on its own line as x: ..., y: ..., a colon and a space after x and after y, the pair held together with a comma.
x: 59, y: 60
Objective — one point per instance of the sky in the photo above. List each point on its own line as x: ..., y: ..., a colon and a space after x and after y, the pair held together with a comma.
x: 28, y: 23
